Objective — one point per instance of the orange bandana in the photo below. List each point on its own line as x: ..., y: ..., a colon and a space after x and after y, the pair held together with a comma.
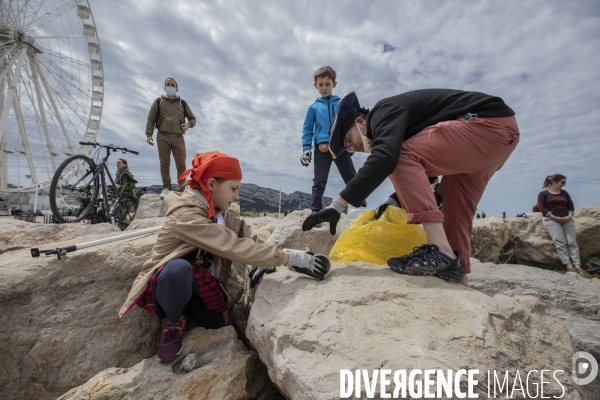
x: 211, y: 165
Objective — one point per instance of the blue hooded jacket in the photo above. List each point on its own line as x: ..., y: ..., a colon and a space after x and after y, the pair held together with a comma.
x: 317, y: 121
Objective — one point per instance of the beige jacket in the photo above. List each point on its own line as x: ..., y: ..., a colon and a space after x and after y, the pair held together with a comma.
x: 187, y: 228
x: 171, y: 116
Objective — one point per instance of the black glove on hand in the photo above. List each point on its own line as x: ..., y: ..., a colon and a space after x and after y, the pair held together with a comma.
x: 391, y: 201
x: 307, y: 264
x: 330, y: 214
x: 305, y: 158
x: 256, y: 273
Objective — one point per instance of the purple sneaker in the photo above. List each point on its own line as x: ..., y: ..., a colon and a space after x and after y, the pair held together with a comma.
x: 428, y: 260
x: 171, y: 342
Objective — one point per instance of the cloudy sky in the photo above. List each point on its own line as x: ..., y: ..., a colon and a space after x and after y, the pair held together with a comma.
x: 246, y: 69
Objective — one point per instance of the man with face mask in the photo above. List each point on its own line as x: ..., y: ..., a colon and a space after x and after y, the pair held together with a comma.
x: 463, y: 136
x: 168, y: 115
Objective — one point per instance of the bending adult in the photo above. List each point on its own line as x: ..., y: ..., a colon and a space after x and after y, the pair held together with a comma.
x: 465, y: 137
x: 557, y: 209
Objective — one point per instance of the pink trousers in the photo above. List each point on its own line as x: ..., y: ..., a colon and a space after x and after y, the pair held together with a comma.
x: 466, y: 154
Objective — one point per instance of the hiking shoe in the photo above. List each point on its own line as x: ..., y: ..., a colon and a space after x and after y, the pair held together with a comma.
x: 319, y: 224
x: 453, y: 272
x: 171, y: 342
x: 164, y: 193
x: 426, y: 260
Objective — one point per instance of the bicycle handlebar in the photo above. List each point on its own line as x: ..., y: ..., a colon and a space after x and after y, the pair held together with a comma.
x: 110, y: 146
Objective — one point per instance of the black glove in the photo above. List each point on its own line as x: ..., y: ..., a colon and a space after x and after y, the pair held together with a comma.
x: 330, y: 214
x: 306, y: 263
x: 391, y: 201
x: 306, y: 157
x: 256, y: 273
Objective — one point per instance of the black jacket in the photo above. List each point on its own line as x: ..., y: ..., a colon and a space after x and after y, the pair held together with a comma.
x: 398, y: 118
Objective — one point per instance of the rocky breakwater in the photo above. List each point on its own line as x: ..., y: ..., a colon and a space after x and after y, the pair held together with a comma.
x: 526, y: 241
x: 58, y: 322
x: 573, y: 299
x: 216, y: 366
x: 366, y: 317
x: 60, y: 332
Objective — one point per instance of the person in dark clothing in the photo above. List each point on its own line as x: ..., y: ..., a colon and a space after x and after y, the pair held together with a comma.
x: 463, y: 136
x: 557, y: 209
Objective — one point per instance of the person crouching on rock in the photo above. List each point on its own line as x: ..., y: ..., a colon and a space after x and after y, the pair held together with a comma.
x: 463, y: 136
x: 192, y: 251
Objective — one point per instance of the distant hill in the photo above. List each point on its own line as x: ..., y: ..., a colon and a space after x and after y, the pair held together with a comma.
x: 254, y: 197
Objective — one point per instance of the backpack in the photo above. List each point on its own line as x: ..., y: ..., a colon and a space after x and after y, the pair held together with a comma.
x: 183, y: 103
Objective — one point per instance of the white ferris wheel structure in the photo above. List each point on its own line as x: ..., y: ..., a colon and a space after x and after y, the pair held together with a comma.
x: 51, y: 89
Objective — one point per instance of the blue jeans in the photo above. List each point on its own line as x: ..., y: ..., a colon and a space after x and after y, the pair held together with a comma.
x: 322, y: 166
x: 177, y: 293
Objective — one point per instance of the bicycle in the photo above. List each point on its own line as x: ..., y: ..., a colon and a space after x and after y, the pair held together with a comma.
x: 78, y: 182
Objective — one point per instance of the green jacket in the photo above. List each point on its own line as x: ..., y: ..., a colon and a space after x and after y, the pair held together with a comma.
x: 171, y: 116
x: 120, y: 180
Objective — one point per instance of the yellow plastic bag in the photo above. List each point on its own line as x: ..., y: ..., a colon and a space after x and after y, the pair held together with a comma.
x: 377, y: 240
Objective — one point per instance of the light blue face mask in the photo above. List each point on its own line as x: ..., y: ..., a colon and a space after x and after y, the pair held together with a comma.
x: 170, y: 91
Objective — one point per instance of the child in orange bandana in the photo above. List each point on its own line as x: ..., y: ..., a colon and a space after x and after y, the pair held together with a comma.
x: 195, y: 248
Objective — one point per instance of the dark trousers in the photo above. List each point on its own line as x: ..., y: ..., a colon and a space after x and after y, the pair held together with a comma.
x: 322, y: 166
x: 177, y: 294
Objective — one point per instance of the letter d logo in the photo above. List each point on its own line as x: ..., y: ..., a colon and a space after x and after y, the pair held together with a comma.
x: 585, y: 368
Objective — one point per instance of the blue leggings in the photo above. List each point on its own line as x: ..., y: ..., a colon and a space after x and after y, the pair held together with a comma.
x: 177, y: 294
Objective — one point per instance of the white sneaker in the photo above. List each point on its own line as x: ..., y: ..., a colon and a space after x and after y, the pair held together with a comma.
x: 164, y: 193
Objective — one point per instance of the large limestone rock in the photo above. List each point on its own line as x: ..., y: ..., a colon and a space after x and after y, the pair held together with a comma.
x: 265, y: 223
x: 530, y: 243
x: 59, y: 320
x: 526, y: 241
x: 587, y: 221
x: 16, y: 235
x: 490, y: 236
x: 575, y: 300
x: 150, y: 206
x: 288, y: 234
x: 145, y: 223
x: 263, y: 226
x: 368, y: 317
x: 226, y: 371
x: 557, y: 291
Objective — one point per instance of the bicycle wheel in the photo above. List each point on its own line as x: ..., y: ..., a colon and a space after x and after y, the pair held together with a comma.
x: 73, y: 191
x: 125, y: 213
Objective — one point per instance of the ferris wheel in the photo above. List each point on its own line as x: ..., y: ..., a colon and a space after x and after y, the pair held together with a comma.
x: 51, y: 87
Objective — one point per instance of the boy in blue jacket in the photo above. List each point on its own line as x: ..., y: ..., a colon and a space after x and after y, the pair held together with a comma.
x: 316, y: 130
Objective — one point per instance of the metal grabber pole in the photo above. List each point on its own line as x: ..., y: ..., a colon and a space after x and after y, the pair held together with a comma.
x: 61, y: 251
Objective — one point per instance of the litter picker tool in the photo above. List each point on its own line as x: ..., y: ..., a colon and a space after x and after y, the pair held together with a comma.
x: 61, y: 251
